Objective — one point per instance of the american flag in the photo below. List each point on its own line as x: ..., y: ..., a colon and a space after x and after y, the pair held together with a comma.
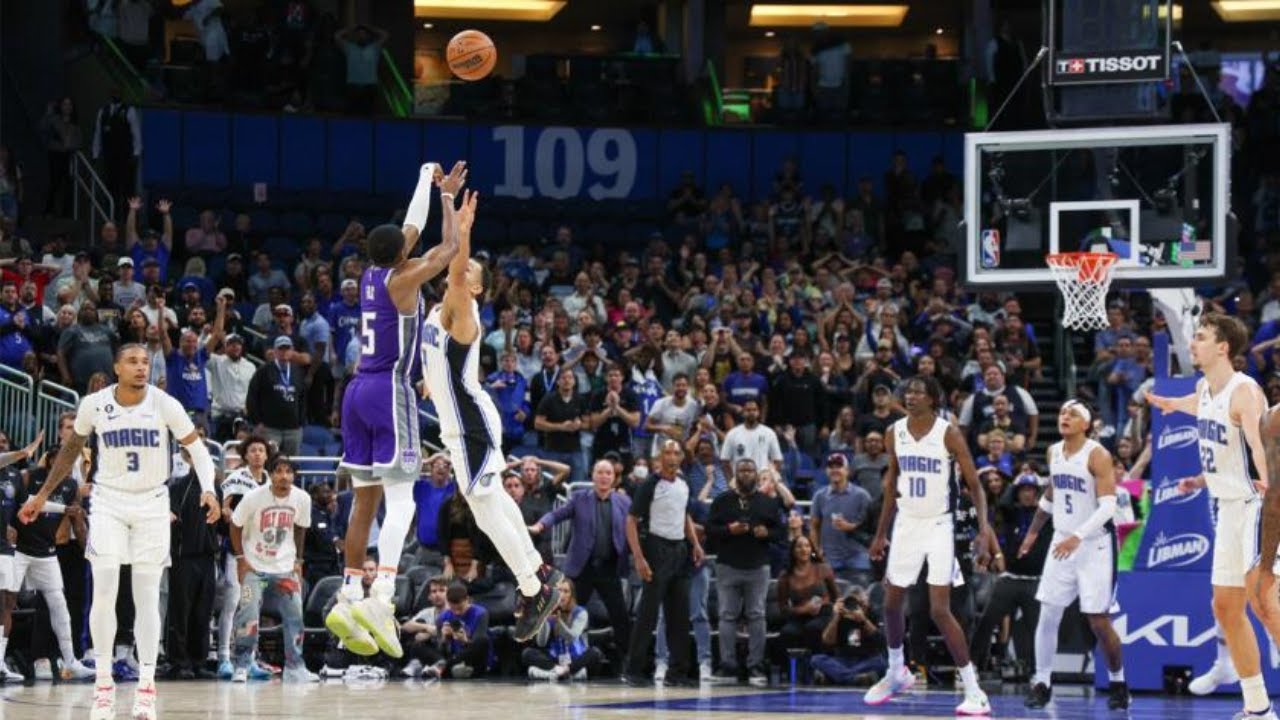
x: 1192, y: 250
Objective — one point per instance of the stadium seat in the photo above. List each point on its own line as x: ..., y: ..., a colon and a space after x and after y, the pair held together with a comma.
x: 321, y: 594
x: 298, y: 224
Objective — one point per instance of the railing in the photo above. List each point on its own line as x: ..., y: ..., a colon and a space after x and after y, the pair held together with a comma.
x: 17, y: 392
x: 134, y: 88
x: 99, y: 205
x: 52, y: 400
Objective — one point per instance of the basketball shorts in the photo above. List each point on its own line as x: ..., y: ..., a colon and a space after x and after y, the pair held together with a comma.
x: 477, y: 466
x: 9, y: 582
x: 380, y: 437
x: 41, y: 574
x: 916, y: 541
x: 1088, y: 573
x: 129, y: 528
x: 1237, y: 542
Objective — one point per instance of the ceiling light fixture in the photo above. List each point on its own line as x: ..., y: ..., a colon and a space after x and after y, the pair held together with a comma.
x: 832, y: 15
x: 1247, y: 10
x: 513, y: 10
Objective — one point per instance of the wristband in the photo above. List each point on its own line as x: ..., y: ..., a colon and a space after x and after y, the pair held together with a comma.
x: 446, y: 195
x: 239, y: 557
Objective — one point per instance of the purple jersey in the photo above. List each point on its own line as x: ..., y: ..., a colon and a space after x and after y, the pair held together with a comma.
x: 388, y: 340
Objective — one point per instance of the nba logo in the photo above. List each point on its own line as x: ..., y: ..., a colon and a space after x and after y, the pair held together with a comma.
x: 990, y: 249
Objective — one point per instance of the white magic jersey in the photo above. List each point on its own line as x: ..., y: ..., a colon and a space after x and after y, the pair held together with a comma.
x: 1075, y: 491
x: 469, y: 421
x: 1224, y: 457
x: 241, y: 482
x: 133, y: 442
x: 924, y: 470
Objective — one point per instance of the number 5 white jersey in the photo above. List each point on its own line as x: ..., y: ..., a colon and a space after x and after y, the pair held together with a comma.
x: 133, y: 442
x: 1224, y: 455
x: 1075, y: 490
x: 924, y: 470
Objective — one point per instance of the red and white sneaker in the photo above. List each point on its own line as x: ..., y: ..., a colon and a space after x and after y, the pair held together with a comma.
x: 104, y: 703
x: 975, y: 704
x: 144, y: 703
x: 893, y: 683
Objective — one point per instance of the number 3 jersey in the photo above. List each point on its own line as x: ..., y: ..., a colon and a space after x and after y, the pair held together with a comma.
x: 1224, y: 457
x: 925, y: 479
x: 133, y: 442
x: 1075, y: 491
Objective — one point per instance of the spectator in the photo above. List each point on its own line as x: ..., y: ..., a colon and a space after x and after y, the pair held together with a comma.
x: 206, y: 239
x: 614, y: 414
x: 117, y: 145
x: 423, y: 629
x: 230, y: 373
x: 266, y: 278
x: 273, y: 404
x: 867, y: 470
x: 596, y: 558
x: 25, y: 269
x: 86, y: 348
x: 192, y: 579
x: 883, y: 414
x: 283, y: 326
x: 466, y: 550
x: 508, y: 388
x: 583, y: 298
x: 675, y: 361
x: 463, y: 629
x: 806, y: 591
x: 63, y: 137
x: 707, y: 480
x: 741, y: 526
x: 996, y: 455
x: 322, y: 554
x: 157, y: 306
x: 149, y: 247
x: 544, y: 382
x: 185, y: 375
x: 839, y: 510
x: 674, y: 417
x: 268, y: 536
x: 316, y: 337
x: 854, y: 649
x: 663, y: 541
x: 746, y: 384
x: 830, y: 59
x: 206, y: 15
x: 560, y: 419
x: 127, y: 292
x: 362, y: 45
x: 430, y: 494
x: 528, y: 513
x: 16, y: 330
x: 560, y: 650
x: 343, y: 315
x: 1002, y: 419
x: 978, y: 407
x: 751, y: 441
x: 797, y: 399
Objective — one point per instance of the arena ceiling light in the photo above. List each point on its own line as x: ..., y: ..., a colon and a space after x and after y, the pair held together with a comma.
x: 1247, y: 10
x: 522, y: 10
x: 832, y: 15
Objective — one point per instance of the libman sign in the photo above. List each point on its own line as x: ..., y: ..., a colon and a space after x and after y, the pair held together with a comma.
x: 1107, y: 67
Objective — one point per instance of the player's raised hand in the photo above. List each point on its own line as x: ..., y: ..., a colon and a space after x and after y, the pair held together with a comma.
x: 467, y: 213
x: 454, y: 181
x: 212, y: 511
x: 29, y: 451
x: 1163, y: 403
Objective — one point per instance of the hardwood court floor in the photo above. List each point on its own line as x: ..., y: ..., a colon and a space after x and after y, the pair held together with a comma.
x: 486, y: 700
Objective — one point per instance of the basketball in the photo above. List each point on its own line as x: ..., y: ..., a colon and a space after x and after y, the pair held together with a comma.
x: 471, y: 55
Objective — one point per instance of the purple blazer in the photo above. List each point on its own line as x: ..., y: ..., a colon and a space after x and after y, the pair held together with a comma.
x: 581, y: 510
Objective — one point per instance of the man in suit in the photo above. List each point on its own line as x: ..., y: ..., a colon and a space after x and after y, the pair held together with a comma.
x: 597, y: 556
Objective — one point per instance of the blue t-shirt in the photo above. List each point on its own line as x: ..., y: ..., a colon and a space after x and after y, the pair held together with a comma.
x: 475, y: 620
x: 429, y: 499
x: 740, y: 387
x: 185, y: 379
x: 161, y: 254
x: 344, y: 321
x: 13, y: 344
x: 647, y: 394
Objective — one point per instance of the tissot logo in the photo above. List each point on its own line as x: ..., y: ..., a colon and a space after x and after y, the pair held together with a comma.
x: 1071, y: 67
x: 1127, y: 66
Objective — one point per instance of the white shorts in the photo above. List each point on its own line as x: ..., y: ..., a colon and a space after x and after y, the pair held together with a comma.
x: 9, y: 582
x: 129, y: 528
x: 1089, y: 573
x: 486, y: 480
x: 916, y: 540
x: 37, y: 573
x: 1237, y: 541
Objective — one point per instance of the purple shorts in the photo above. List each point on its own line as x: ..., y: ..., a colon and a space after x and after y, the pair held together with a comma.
x: 380, y: 436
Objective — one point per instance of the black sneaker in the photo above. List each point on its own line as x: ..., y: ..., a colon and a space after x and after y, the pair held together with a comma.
x: 1119, y: 696
x: 725, y: 676
x: 532, y: 612
x: 681, y: 680
x: 1039, y: 696
x: 549, y: 575
x: 635, y: 681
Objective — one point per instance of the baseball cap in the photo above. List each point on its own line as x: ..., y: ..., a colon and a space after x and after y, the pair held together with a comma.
x: 282, y: 308
x: 612, y: 456
x: 82, y: 255
x: 349, y: 282
x: 235, y: 337
x: 150, y: 262
x: 837, y: 460
x: 284, y: 341
x: 880, y: 386
x: 189, y: 285
x: 227, y: 292
x: 237, y: 257
x: 884, y: 282
x: 1025, y: 481
x: 122, y: 262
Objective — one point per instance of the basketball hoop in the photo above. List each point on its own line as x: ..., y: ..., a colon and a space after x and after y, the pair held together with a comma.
x: 1084, y: 279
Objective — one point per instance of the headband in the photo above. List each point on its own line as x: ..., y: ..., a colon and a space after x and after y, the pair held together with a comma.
x: 1081, y: 407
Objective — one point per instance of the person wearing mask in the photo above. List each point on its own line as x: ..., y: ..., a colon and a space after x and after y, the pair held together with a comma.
x: 560, y: 650
x: 193, y: 578
x: 322, y: 556
x: 596, y: 558
x: 740, y: 527
x: 268, y: 535
x: 664, y: 543
x: 838, y: 511
x: 273, y: 403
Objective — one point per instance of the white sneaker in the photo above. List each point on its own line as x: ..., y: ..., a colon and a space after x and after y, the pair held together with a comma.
x: 659, y: 673
x: 104, y: 703
x: 7, y: 674
x: 462, y: 671
x: 384, y: 589
x: 581, y: 675
x: 44, y: 669
x: 77, y: 671
x: 413, y: 669
x: 299, y: 676
x: 537, y: 673
x: 1218, y: 674
x: 378, y: 617
x: 144, y: 703
x: 704, y: 672
x: 1243, y: 715
x: 975, y: 703
x: 891, y: 684
x: 240, y: 675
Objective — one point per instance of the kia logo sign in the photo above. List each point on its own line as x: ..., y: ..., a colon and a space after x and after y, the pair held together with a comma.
x: 1177, y: 550
x: 1182, y: 437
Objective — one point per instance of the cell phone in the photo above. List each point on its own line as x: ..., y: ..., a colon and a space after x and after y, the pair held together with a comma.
x: 456, y: 625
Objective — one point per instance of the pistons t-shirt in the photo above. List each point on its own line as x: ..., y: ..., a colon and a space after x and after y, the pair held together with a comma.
x: 267, y: 523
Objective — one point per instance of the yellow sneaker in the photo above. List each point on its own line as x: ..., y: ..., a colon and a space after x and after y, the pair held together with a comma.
x: 378, y: 618
x: 342, y: 623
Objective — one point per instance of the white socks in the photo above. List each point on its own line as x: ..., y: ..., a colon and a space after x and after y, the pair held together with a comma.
x: 102, y: 618
x: 4, y: 647
x: 400, y: 508
x: 1047, y: 642
x: 60, y: 620
x: 499, y: 517
x: 970, y: 678
x: 1255, y: 694
x: 1116, y: 675
x: 895, y: 660
x: 146, y: 625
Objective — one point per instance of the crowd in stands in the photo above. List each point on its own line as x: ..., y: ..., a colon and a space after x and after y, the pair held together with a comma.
x: 752, y: 349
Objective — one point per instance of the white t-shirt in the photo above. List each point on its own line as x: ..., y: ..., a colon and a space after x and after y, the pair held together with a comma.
x: 241, y: 482
x: 268, y: 523
x: 229, y: 383
x: 759, y: 445
x: 133, y: 442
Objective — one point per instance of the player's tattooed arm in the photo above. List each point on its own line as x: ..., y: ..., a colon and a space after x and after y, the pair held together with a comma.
x: 1268, y: 424
x: 67, y: 457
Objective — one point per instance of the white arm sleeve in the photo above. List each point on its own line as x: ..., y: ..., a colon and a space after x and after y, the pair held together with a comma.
x: 1046, y: 505
x: 420, y: 205
x: 1105, y: 512
x: 54, y: 507
x: 203, y: 464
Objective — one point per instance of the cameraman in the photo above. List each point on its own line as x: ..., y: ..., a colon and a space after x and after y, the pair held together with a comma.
x: 853, y: 643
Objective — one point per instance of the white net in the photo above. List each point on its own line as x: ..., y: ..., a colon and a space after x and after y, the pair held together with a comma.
x: 1083, y: 279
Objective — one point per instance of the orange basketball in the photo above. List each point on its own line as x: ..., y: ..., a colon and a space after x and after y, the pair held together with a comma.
x: 471, y: 55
